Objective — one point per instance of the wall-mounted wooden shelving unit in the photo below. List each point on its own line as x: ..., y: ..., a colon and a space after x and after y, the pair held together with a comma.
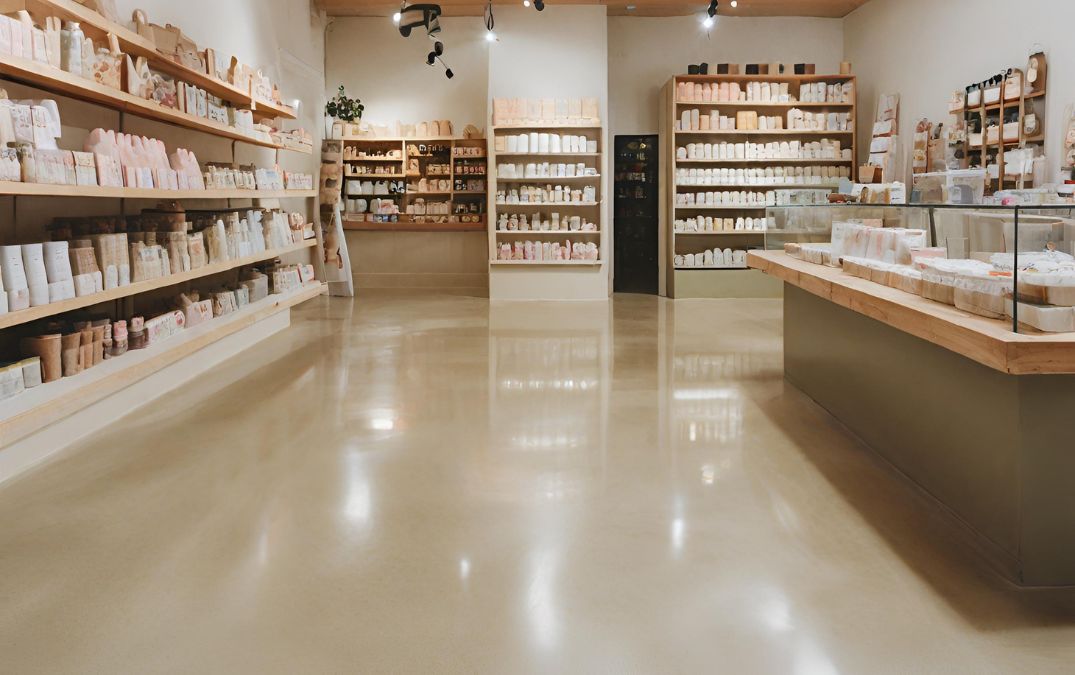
x: 466, y: 196
x: 994, y: 151
x: 549, y: 279
x: 48, y: 404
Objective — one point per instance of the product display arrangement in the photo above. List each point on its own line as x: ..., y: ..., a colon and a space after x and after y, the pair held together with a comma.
x: 996, y: 125
x: 813, y: 116
x: 60, y: 283
x: 568, y: 189
x: 72, y: 346
x: 393, y: 183
x: 153, y: 71
x: 977, y: 270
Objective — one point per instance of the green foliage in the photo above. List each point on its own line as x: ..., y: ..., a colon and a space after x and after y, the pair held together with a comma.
x: 344, y: 109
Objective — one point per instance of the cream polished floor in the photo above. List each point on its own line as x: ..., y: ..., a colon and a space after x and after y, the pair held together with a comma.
x: 437, y: 485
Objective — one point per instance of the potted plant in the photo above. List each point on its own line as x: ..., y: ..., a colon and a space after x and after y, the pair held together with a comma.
x: 343, y: 109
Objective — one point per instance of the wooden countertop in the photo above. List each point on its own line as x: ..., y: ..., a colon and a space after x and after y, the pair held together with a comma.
x: 988, y: 341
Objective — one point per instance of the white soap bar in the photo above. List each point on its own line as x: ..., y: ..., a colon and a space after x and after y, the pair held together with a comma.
x: 39, y: 294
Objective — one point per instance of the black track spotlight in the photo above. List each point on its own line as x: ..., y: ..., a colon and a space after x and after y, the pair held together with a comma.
x: 712, y: 11
x: 539, y: 5
x: 448, y: 72
x: 426, y: 15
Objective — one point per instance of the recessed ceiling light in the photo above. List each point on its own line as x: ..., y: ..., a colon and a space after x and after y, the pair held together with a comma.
x: 735, y: 3
x: 396, y: 17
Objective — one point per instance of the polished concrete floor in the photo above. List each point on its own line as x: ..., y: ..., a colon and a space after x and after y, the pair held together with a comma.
x: 439, y: 485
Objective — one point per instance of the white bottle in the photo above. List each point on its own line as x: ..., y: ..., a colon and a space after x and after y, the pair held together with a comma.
x: 71, y: 38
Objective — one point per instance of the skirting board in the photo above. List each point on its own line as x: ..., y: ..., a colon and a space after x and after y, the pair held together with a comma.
x: 36, y: 449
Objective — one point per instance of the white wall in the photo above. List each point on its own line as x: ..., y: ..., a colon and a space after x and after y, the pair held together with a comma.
x: 644, y: 53
x: 925, y: 50
x: 561, y: 52
x: 389, y: 72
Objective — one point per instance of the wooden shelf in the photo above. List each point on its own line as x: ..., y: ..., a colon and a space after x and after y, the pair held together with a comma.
x: 542, y: 233
x: 998, y: 106
x: 764, y: 161
x: 393, y: 160
x: 699, y: 268
x: 52, y: 309
x: 547, y: 204
x: 540, y: 125
x: 722, y: 233
x: 46, y: 190
x: 721, y: 208
x: 400, y: 139
x: 38, y: 407
x: 97, y: 27
x: 411, y: 226
x: 548, y: 263
x: 552, y: 179
x: 763, y: 104
x: 548, y: 154
x: 990, y: 342
x: 755, y: 186
x: 375, y: 176
x: 769, y: 132
x: 51, y: 79
x: 766, y: 78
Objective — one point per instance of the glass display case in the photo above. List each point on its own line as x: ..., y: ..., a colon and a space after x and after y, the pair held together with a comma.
x: 637, y: 211
x: 1013, y: 264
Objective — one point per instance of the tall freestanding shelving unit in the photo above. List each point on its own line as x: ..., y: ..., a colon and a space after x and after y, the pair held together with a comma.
x: 66, y: 408
x: 548, y: 279
x: 725, y: 282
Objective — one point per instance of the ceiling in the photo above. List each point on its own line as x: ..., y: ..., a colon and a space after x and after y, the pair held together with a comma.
x: 824, y: 8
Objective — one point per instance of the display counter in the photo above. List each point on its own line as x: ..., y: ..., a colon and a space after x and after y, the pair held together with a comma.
x: 975, y: 414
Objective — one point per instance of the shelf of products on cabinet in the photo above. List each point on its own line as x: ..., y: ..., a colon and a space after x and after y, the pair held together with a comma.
x: 1013, y: 103
x: 48, y: 190
x: 547, y: 263
x: 762, y: 186
x: 545, y: 204
x: 45, y: 77
x: 1008, y: 143
x: 97, y: 27
x: 531, y: 179
x: 44, y: 404
x: 531, y: 233
x: 551, y: 125
x: 721, y: 208
x: 548, y: 154
x: 720, y: 233
x: 410, y: 226
x: 765, y: 161
x: 52, y: 309
x: 398, y: 139
x: 359, y: 160
x: 711, y: 269
x: 767, y: 132
x: 764, y: 104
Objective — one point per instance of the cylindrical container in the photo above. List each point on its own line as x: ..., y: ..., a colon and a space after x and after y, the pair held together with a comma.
x: 71, y: 38
x: 72, y: 354
x: 47, y: 348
